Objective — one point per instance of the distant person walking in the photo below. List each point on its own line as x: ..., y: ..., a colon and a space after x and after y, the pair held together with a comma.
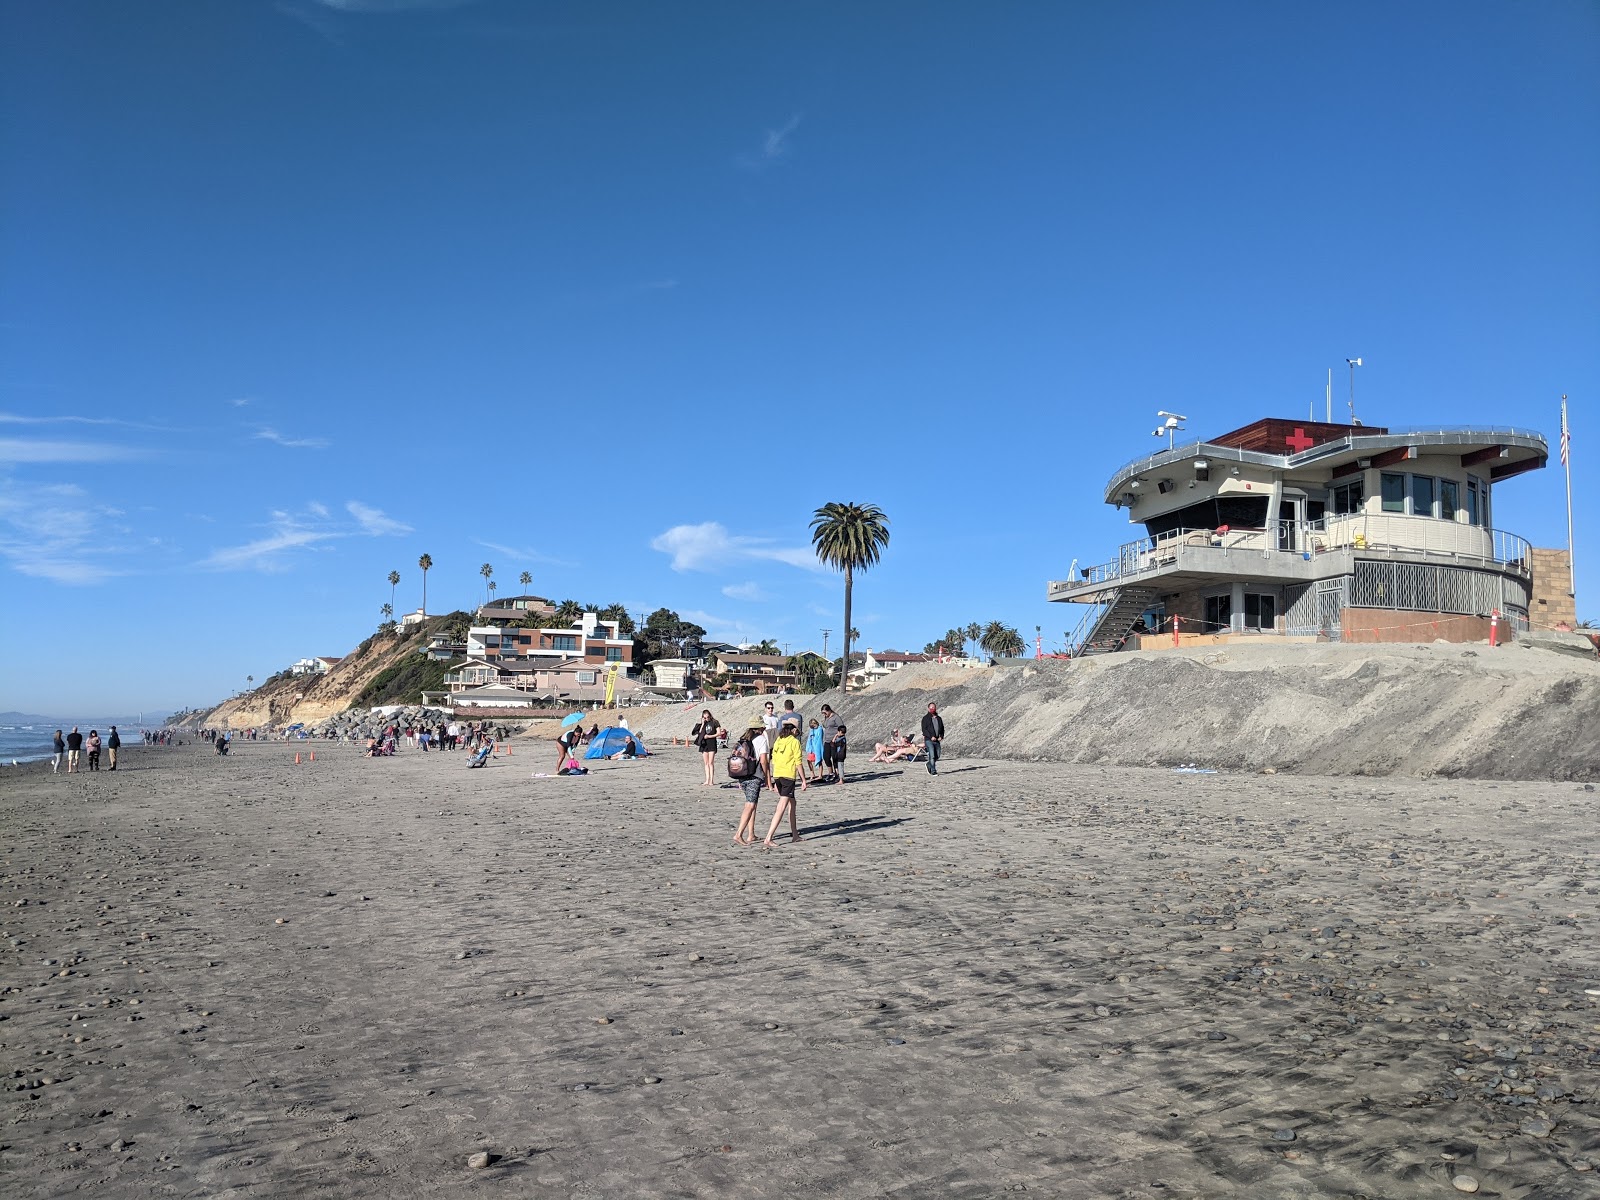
x: 933, y: 735
x: 749, y: 764
x: 113, y: 744
x: 704, y: 735
x: 74, y: 749
x: 832, y: 738
x: 60, y: 748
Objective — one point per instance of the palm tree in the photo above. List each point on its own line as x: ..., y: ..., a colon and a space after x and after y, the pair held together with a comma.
x: 486, y: 571
x: 973, y: 633
x: 425, y: 562
x: 388, y: 611
x: 394, y: 582
x: 991, y: 637
x: 568, y: 611
x: 525, y: 579
x: 850, y: 538
x: 249, y: 681
x: 492, y: 587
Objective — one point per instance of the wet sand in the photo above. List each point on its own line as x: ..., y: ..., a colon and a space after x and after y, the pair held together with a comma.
x: 239, y: 977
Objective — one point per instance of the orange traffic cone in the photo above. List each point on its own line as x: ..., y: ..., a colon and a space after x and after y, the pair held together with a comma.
x: 297, y: 758
x: 508, y: 749
x: 313, y: 756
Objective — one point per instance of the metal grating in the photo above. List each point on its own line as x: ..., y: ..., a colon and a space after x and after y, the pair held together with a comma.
x: 1422, y: 587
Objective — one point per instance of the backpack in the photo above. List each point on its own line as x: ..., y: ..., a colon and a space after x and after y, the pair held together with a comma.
x: 742, y: 762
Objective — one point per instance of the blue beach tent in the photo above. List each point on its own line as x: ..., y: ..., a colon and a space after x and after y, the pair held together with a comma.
x: 609, y: 741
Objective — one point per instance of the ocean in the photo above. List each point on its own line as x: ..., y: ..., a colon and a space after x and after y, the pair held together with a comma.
x: 31, y: 742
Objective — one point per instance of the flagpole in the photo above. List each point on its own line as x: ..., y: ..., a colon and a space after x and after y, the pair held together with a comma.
x: 1566, y: 461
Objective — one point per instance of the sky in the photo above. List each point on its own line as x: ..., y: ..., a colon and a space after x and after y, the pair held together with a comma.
x: 618, y: 294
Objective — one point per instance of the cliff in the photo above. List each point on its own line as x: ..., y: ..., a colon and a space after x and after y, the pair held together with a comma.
x: 387, y: 668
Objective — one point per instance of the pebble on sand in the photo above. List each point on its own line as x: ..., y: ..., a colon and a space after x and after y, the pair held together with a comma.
x: 480, y: 1160
x: 1464, y: 1183
x: 1283, y: 1135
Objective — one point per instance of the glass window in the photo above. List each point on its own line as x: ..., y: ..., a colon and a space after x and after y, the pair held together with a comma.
x: 1472, y: 500
x: 1394, y: 493
x: 1422, y: 496
x: 585, y: 676
x: 1349, y: 496
x: 564, y: 641
x: 1219, y: 613
x: 1483, y: 503
x: 613, y: 653
x: 1449, y: 500
x: 1260, y: 611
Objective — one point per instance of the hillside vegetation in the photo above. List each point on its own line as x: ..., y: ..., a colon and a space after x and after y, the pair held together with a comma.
x: 387, y: 668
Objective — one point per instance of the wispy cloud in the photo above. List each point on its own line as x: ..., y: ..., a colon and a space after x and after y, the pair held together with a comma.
x: 21, y: 450
x: 746, y: 591
x: 266, y: 554
x: 9, y: 418
x: 523, y: 554
x: 268, y: 434
x: 54, y: 532
x: 373, y: 521
x: 243, y: 403
x: 708, y: 546
x: 724, y: 629
x: 317, y: 509
x: 774, y: 146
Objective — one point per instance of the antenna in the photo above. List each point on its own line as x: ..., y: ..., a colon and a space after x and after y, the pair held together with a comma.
x: 1330, y: 395
x: 1171, y: 424
x: 1354, y: 363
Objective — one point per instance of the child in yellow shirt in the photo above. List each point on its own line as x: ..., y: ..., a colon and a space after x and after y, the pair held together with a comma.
x: 785, y: 770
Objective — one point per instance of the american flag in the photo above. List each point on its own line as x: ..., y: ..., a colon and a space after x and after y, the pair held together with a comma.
x: 1566, y: 436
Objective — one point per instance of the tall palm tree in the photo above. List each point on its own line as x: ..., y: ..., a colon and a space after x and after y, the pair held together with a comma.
x: 525, y: 579
x: 993, y: 634
x: 394, y: 582
x: 425, y: 562
x: 492, y: 586
x: 850, y: 538
x: 486, y: 571
x: 568, y: 611
x: 974, y: 633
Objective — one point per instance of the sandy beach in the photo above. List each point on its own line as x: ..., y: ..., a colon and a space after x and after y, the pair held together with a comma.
x: 242, y: 977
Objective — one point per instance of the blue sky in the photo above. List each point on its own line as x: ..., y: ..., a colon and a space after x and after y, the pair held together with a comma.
x: 619, y: 293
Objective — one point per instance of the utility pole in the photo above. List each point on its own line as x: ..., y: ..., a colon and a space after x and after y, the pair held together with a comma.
x: 825, y: 634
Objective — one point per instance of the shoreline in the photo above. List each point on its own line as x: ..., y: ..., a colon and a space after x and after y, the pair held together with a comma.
x: 238, y: 975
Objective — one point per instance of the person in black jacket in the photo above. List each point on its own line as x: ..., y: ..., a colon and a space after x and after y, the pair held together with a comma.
x: 933, y: 735
x: 113, y: 744
x: 74, y: 749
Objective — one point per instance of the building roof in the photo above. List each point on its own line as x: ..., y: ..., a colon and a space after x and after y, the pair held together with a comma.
x: 1315, y: 446
x: 754, y: 660
x: 889, y: 656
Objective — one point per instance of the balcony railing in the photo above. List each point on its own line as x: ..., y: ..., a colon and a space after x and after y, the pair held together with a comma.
x: 1369, y: 534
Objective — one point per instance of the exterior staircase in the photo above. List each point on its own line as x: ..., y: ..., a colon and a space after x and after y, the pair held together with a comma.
x: 1105, y: 627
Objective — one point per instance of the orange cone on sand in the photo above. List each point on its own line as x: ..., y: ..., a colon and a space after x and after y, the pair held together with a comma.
x: 313, y: 756
x: 297, y: 758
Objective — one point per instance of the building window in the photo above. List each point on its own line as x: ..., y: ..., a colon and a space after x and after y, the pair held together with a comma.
x: 1219, y: 613
x: 1449, y: 500
x: 1422, y: 496
x: 585, y: 676
x: 1473, y: 509
x: 564, y: 641
x: 1260, y: 611
x: 524, y: 639
x: 1348, y: 497
x: 1394, y: 493
x: 613, y: 653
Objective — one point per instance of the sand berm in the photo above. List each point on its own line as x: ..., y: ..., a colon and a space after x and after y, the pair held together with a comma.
x: 1428, y: 710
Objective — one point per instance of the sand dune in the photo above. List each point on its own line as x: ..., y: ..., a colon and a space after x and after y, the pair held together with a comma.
x: 232, y: 977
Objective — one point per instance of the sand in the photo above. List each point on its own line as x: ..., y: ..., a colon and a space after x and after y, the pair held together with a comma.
x: 239, y: 977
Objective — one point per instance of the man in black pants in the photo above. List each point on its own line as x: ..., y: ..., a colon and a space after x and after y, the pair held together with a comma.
x: 933, y: 735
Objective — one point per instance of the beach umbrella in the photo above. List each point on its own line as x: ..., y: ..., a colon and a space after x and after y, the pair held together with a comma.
x: 571, y: 719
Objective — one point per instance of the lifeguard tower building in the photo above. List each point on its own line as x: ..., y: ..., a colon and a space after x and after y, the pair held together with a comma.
x: 1313, y: 530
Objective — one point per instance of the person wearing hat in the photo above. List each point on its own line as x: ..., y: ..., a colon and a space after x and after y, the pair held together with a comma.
x: 752, y: 742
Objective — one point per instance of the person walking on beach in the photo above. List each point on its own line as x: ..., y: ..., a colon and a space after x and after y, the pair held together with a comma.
x: 74, y: 748
x: 785, y: 772
x: 830, y: 735
x: 933, y: 735
x: 113, y: 744
x: 750, y: 752
x: 704, y: 735
x: 60, y: 748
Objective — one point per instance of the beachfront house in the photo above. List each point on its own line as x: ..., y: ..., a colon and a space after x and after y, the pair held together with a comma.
x: 880, y: 665
x: 587, y: 638
x: 1314, y: 530
x: 533, y: 682
x: 755, y: 673
x: 320, y: 665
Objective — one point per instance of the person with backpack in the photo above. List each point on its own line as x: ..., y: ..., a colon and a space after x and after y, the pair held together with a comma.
x: 750, y: 766
x: 704, y: 735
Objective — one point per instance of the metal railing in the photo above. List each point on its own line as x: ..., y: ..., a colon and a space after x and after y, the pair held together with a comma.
x: 1366, y: 533
x: 1423, y: 435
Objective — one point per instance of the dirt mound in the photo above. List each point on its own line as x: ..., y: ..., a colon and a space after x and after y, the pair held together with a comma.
x: 1416, y: 710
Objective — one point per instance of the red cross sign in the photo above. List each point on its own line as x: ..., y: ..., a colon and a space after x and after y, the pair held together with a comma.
x: 1299, y: 441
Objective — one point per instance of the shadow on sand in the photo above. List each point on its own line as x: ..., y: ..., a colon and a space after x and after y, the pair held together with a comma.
x: 853, y: 825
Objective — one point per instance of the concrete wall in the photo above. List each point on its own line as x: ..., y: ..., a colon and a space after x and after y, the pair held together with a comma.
x: 1552, y: 604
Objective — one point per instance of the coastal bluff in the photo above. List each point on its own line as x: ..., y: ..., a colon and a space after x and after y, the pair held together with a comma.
x: 1426, y: 710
